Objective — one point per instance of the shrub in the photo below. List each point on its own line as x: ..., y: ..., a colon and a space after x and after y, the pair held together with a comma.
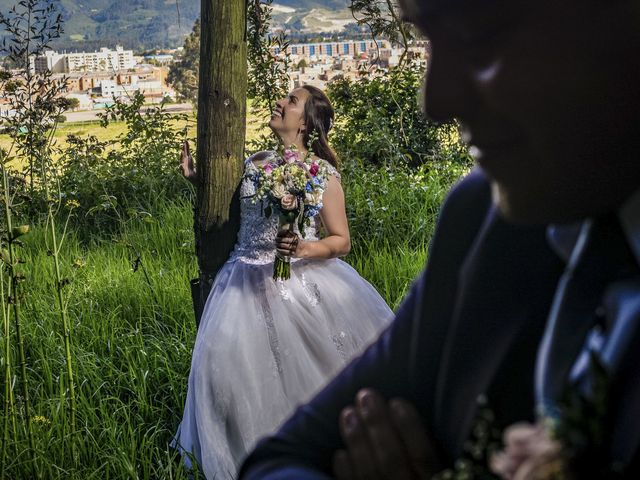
x: 378, y: 120
x: 109, y: 181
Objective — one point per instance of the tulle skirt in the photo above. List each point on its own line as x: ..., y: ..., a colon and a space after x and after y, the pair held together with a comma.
x: 263, y: 347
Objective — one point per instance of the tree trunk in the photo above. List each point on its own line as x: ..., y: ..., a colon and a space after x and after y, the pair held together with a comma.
x: 222, y: 100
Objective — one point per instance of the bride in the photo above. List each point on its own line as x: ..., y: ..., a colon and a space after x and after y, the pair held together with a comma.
x: 265, y: 346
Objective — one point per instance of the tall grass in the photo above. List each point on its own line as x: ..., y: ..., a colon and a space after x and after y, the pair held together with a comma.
x: 133, y: 333
x: 131, y: 350
x: 392, y: 213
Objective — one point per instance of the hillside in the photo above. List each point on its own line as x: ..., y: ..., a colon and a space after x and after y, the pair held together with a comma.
x: 324, y: 18
x: 148, y: 24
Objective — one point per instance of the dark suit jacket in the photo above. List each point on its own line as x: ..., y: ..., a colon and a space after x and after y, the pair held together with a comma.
x: 470, y: 325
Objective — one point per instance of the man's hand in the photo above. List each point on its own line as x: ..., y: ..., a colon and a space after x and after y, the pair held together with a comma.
x: 384, y: 440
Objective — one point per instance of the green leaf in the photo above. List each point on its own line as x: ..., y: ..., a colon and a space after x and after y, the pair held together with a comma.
x: 19, y: 231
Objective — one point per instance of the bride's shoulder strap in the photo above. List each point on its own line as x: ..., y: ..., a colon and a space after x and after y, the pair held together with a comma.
x: 259, y: 157
x: 331, y: 170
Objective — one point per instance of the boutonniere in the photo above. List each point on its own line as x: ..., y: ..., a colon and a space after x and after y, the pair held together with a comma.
x: 574, y: 445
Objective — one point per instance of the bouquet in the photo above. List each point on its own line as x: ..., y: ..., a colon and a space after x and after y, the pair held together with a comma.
x: 292, y: 187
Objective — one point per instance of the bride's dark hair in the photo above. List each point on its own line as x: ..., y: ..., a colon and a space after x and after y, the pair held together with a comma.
x: 318, y: 120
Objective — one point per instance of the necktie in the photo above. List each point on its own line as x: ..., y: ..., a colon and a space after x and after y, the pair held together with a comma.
x: 601, y: 256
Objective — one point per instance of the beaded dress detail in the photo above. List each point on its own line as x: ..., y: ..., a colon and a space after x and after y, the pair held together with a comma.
x: 264, y: 346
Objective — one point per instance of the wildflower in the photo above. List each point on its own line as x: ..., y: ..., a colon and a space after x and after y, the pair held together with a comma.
x: 78, y: 263
x: 19, y: 231
x: 73, y: 204
x: 39, y: 419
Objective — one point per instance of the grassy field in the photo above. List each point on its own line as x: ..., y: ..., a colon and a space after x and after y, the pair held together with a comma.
x: 132, y: 339
x: 80, y: 129
x: 256, y: 125
x: 131, y: 349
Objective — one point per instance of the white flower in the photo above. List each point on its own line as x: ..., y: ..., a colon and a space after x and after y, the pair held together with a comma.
x: 313, y: 198
x: 528, y: 451
x: 278, y: 190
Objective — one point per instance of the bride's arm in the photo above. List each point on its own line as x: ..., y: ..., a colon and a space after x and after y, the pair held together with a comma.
x: 337, y: 242
x: 187, y: 168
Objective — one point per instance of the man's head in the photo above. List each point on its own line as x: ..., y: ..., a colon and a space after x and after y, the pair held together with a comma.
x: 548, y: 93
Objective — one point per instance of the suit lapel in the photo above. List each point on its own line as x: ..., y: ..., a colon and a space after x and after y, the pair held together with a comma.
x: 504, y: 292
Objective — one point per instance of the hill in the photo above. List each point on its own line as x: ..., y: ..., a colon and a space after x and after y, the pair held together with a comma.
x: 149, y: 24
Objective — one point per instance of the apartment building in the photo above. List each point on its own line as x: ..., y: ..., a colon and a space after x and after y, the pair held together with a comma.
x: 325, y: 50
x: 104, y: 60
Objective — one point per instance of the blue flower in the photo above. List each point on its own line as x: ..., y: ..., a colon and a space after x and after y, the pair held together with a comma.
x: 312, y: 210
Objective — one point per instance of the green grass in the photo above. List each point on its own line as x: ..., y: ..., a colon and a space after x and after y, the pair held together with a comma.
x: 114, y: 130
x: 390, y: 268
x: 131, y: 349
x: 132, y: 339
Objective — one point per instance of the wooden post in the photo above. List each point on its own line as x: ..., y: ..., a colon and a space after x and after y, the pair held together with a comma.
x: 222, y: 97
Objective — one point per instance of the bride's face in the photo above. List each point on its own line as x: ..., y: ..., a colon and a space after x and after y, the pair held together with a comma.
x: 287, y: 120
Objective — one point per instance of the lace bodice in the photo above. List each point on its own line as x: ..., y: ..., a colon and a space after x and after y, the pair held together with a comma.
x: 257, y: 234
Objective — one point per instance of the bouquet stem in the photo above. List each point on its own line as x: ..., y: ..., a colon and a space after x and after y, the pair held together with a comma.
x: 282, y: 267
x: 282, y: 263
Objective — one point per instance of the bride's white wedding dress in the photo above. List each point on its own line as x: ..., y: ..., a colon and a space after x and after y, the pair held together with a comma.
x: 263, y: 347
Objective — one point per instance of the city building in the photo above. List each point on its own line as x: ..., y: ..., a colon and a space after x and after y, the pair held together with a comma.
x: 105, y: 60
x: 84, y: 101
x: 324, y: 50
x: 101, y: 87
x: 161, y: 58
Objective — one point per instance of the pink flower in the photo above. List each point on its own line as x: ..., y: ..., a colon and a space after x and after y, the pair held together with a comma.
x: 290, y: 156
x: 313, y: 170
x: 528, y: 451
x: 268, y: 168
x: 288, y: 202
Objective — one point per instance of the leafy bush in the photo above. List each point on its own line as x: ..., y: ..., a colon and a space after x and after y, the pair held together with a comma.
x: 378, y: 120
x: 108, y: 181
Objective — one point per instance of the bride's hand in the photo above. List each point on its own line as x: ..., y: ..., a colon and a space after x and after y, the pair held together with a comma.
x: 289, y: 244
x: 187, y: 168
